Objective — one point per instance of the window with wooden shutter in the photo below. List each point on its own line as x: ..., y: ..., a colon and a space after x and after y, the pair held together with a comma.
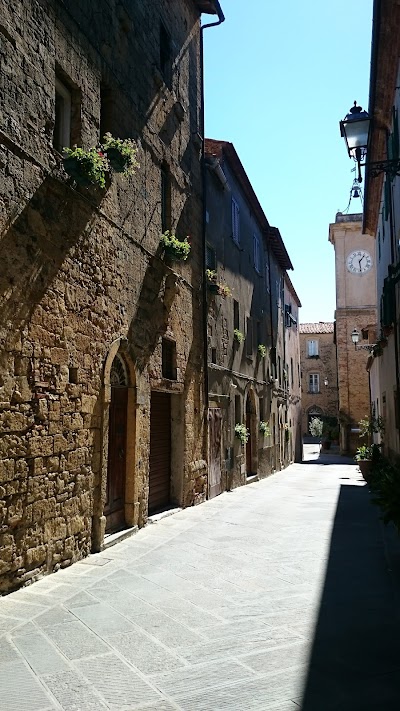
x: 312, y: 348
x: 256, y: 253
x: 235, y: 221
x: 313, y: 383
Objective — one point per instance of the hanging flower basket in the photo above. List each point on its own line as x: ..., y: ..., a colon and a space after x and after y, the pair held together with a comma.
x: 121, y: 154
x: 85, y: 167
x: 175, y: 249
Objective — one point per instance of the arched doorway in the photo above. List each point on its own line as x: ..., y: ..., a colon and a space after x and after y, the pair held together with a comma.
x: 249, y: 443
x: 114, y: 509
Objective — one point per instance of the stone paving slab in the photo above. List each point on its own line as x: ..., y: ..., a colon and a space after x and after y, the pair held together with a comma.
x: 278, y: 596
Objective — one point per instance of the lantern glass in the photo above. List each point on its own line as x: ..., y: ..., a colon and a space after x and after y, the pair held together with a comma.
x: 355, y: 130
x: 355, y: 336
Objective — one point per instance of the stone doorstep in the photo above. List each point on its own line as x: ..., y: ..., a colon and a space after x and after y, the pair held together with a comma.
x: 155, y: 518
x: 251, y: 479
x: 110, y: 539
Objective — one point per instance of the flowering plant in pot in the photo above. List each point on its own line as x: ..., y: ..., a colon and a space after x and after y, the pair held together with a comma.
x: 242, y: 433
x: 175, y: 248
x: 85, y: 167
x: 261, y: 350
x: 216, y: 287
x: 265, y: 428
x: 121, y: 154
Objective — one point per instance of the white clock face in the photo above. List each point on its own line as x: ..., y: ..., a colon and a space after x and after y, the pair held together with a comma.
x: 359, y: 262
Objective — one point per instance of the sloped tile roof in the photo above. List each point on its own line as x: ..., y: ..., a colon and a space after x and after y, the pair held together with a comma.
x: 320, y: 327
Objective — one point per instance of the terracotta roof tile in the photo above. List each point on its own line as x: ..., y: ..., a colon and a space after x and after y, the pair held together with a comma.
x: 320, y: 327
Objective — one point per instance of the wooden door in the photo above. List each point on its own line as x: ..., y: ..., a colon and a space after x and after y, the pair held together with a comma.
x: 160, y: 452
x: 249, y: 452
x: 214, y: 451
x: 116, y: 471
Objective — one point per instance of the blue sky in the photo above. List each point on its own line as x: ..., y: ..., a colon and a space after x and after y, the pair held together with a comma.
x: 279, y: 76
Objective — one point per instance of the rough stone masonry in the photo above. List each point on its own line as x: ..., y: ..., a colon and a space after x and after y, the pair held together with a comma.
x: 82, y: 276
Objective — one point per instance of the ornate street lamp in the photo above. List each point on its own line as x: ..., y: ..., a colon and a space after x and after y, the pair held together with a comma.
x: 355, y: 128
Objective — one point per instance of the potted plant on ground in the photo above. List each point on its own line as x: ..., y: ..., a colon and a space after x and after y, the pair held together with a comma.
x: 121, y: 154
x: 364, y: 454
x: 315, y: 427
x: 176, y: 249
x: 85, y: 167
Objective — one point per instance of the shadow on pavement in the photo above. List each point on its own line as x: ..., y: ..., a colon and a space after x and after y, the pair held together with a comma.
x: 355, y: 658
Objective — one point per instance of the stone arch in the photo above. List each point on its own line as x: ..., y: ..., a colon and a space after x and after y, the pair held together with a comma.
x: 118, y: 371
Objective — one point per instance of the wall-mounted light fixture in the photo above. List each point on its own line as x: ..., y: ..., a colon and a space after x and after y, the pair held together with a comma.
x: 355, y: 128
x: 326, y: 382
x: 355, y: 337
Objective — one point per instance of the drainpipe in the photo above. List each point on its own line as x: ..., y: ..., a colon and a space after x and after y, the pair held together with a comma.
x: 220, y: 20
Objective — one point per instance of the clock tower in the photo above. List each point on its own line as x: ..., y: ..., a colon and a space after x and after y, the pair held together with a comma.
x: 355, y: 308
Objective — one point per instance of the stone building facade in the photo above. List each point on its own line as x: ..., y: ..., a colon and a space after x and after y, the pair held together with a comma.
x: 381, y: 218
x: 355, y: 309
x: 102, y: 388
x: 318, y: 372
x: 247, y: 368
x: 293, y: 369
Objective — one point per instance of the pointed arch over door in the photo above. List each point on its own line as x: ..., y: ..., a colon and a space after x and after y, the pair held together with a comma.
x: 114, y: 509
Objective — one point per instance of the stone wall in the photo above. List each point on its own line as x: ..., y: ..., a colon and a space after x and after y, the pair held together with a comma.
x: 82, y: 276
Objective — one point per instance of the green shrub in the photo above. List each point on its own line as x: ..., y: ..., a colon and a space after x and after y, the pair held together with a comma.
x: 121, y: 154
x: 238, y: 336
x: 177, y: 249
x: 261, y: 349
x: 265, y: 428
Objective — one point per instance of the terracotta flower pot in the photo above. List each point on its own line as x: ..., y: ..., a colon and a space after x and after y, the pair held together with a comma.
x: 365, y: 468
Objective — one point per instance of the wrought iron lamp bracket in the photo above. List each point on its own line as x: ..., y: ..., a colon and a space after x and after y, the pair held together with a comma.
x: 389, y: 167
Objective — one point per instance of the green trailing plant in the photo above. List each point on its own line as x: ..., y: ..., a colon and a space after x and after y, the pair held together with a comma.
x: 316, y: 427
x: 175, y: 248
x: 261, y: 350
x: 287, y: 433
x: 264, y: 428
x: 85, y: 167
x: 211, y: 275
x: 238, y: 336
x: 242, y: 433
x: 121, y: 154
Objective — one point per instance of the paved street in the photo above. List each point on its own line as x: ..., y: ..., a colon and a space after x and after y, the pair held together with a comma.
x: 281, y: 595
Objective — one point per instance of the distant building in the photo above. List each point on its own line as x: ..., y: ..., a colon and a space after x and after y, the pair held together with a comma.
x: 319, y: 396
x: 252, y: 348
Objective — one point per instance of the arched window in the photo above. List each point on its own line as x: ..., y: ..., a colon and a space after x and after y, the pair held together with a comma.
x: 118, y: 373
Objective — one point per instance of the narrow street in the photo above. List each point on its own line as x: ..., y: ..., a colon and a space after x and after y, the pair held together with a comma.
x: 280, y: 595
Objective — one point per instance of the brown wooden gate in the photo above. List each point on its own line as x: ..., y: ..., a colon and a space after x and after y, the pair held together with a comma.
x: 249, y: 446
x: 115, y: 503
x: 214, y: 451
x: 160, y: 451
